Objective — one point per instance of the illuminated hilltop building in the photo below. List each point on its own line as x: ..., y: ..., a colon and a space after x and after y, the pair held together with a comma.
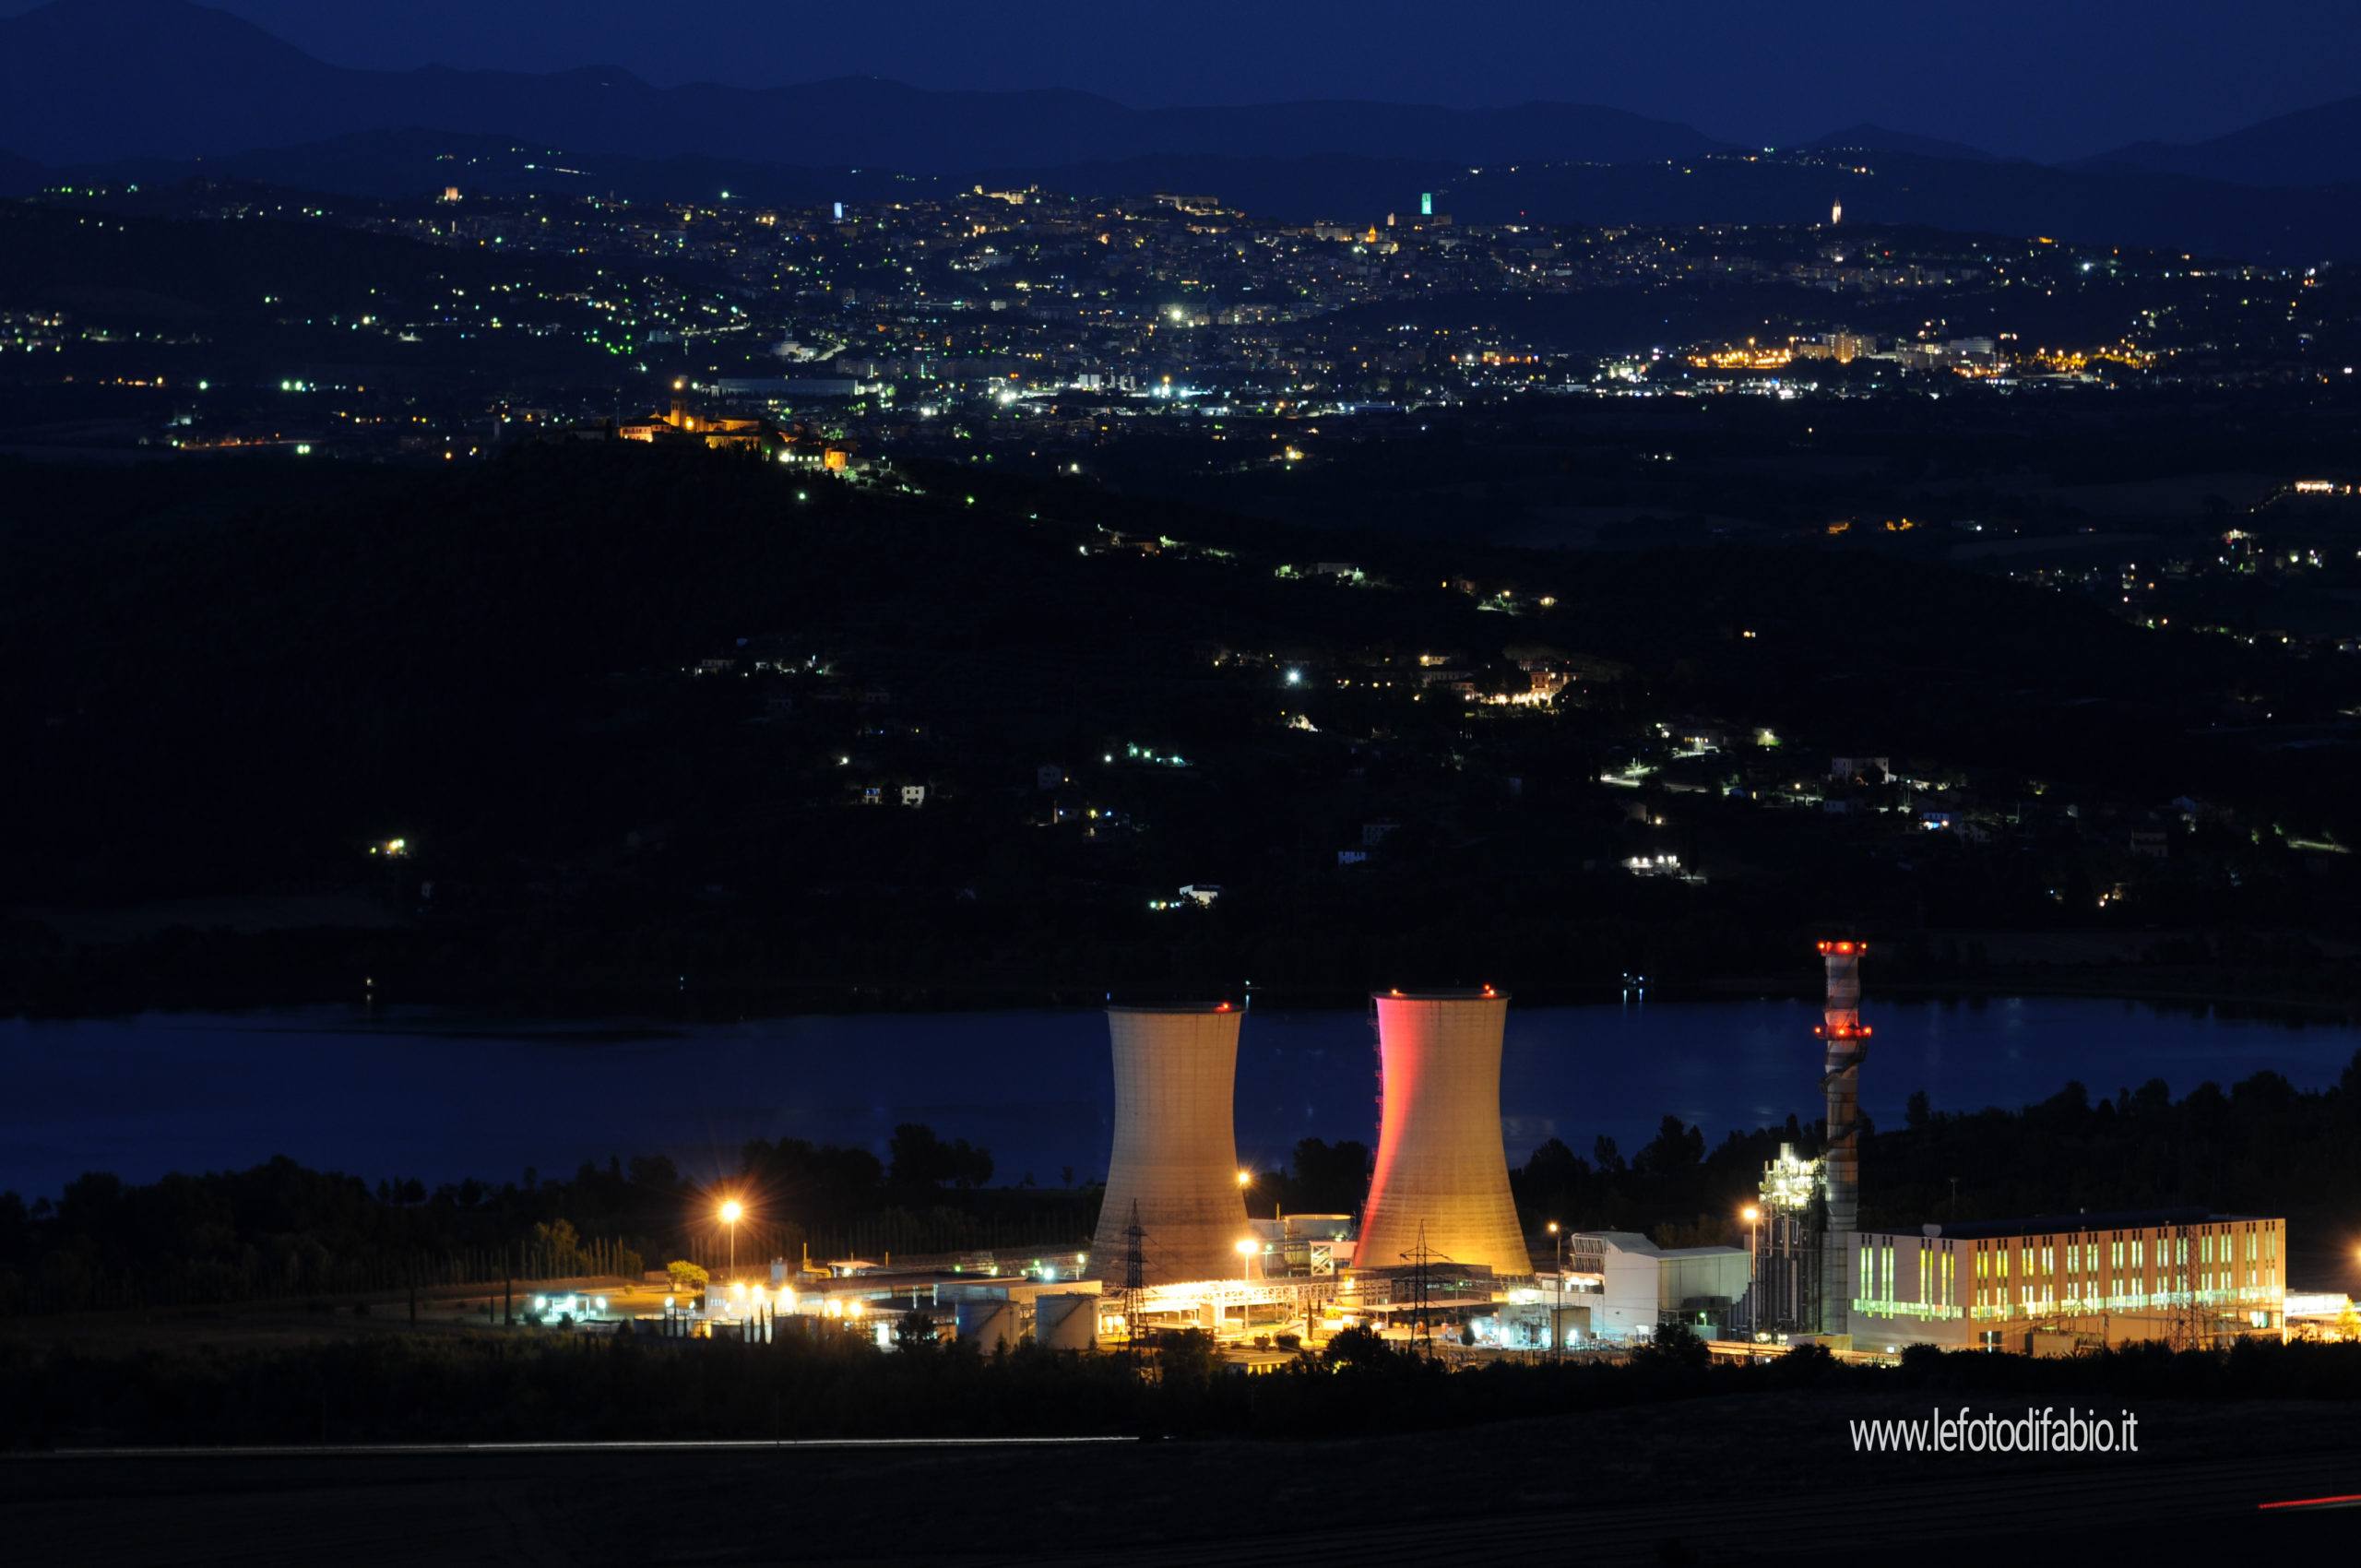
x: 684, y: 425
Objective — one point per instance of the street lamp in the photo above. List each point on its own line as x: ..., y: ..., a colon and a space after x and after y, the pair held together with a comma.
x: 729, y: 1213
x: 1753, y: 1292
x: 1558, y: 1314
x: 1246, y: 1248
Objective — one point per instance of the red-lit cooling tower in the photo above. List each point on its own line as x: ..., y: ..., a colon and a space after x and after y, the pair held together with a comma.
x: 1440, y: 1160
x: 1176, y: 1145
x: 1847, y: 1043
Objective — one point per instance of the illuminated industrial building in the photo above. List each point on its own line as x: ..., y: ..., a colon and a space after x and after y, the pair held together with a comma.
x: 2042, y: 1286
x: 2054, y: 1285
x: 1620, y: 1285
x: 1440, y: 1183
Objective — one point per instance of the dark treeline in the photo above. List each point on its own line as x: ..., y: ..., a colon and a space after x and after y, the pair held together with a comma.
x: 541, y: 1385
x: 279, y: 1229
x: 2263, y: 1144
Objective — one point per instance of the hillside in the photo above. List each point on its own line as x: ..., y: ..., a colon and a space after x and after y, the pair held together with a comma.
x: 624, y: 710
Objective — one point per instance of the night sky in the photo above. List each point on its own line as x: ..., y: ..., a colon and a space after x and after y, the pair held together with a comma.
x: 2040, y: 78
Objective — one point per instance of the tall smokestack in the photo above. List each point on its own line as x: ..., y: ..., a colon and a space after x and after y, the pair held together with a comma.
x: 1848, y: 1041
x: 1440, y: 1159
x: 1176, y: 1145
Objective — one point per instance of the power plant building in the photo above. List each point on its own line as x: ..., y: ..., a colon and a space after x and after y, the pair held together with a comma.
x: 1175, y: 1159
x: 1440, y: 1189
x: 1630, y: 1287
x: 2054, y: 1285
x: 2187, y: 1278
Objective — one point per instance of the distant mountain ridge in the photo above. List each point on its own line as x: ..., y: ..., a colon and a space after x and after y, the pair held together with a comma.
x: 2320, y: 146
x: 100, y: 81
x: 163, y: 91
x: 88, y: 81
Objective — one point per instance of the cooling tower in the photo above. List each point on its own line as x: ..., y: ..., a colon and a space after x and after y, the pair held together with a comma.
x: 1176, y: 1147
x: 1440, y: 1161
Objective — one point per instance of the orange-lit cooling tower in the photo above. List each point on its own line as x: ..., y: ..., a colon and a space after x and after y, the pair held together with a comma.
x: 1440, y: 1160
x: 1176, y: 1145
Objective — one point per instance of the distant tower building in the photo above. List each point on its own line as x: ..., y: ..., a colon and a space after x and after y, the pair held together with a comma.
x: 1173, y: 1176
x: 1835, y: 213
x: 1848, y: 1041
x: 1441, y: 1163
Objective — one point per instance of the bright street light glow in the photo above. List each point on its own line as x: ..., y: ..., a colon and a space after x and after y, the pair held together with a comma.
x: 729, y: 1213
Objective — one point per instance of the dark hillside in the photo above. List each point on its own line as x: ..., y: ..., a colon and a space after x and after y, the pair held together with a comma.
x: 624, y: 708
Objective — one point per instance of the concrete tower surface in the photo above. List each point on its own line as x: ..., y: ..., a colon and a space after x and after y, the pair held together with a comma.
x: 1176, y: 1144
x: 1440, y: 1159
x: 1847, y: 1039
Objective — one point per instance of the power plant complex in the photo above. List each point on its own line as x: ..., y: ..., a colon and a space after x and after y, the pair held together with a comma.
x: 1438, y: 1244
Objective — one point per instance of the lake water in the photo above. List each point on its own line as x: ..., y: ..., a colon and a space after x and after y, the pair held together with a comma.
x: 444, y: 1096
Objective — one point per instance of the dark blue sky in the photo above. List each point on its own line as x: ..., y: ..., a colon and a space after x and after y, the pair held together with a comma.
x: 2045, y: 78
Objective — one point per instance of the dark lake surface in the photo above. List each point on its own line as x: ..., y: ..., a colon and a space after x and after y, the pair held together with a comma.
x: 444, y: 1096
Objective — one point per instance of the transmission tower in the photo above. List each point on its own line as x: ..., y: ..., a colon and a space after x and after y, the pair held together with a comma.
x: 2189, y: 1330
x: 1420, y: 1260
x: 1134, y: 1280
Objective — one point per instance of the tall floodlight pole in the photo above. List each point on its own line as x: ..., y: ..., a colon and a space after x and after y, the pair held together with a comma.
x: 729, y: 1213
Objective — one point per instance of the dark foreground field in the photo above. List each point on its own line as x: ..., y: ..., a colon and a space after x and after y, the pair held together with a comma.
x: 1764, y: 1479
